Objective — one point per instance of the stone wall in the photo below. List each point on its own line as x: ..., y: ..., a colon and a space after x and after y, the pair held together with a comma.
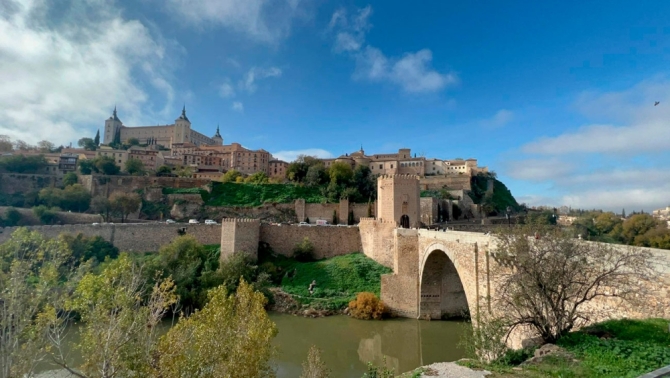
x: 131, y: 237
x: 397, y: 196
x: 11, y: 183
x: 64, y: 217
x: 451, y: 182
x: 377, y: 240
x: 328, y: 241
x: 106, y: 185
x: 429, y: 210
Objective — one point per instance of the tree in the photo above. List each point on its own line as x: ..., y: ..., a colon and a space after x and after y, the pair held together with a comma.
x: 124, y: 203
x: 86, y: 166
x: 120, y: 314
x: 350, y: 218
x: 184, y: 171
x: 340, y: 173
x: 135, y: 167
x: 229, y: 337
x: 231, y: 176
x: 257, y: 178
x: 96, y: 140
x: 316, y: 175
x: 314, y: 367
x: 12, y: 217
x: 164, y: 170
x: 45, y: 215
x: 24, y: 164
x: 74, y: 198
x: 637, y: 225
x: 547, y: 283
x: 70, y: 178
x: 6, y: 144
x: 133, y: 142
x: 22, y: 146
x: 365, y: 184
x: 45, y: 146
x: 192, y: 268
x: 105, y: 165
x: 241, y: 264
x: 35, y: 280
x: 87, y: 143
x: 606, y: 222
x: 89, y: 248
x: 101, y: 205
x: 335, y: 219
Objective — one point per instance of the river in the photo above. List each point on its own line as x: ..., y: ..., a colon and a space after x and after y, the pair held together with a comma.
x: 348, y: 344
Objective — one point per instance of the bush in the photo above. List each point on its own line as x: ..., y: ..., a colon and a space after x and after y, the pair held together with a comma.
x: 12, y: 217
x: 45, y: 215
x: 367, y: 306
x: 304, y: 251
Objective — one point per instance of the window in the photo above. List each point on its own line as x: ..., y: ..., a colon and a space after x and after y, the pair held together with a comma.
x: 391, y: 166
x: 380, y: 166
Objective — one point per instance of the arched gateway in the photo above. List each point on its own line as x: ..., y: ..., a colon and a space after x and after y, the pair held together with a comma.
x: 441, y: 290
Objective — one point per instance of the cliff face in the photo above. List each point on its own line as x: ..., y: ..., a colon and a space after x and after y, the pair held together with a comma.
x: 488, y: 190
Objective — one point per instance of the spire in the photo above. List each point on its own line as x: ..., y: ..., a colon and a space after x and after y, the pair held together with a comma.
x: 114, y: 116
x: 217, y: 135
x: 183, y: 113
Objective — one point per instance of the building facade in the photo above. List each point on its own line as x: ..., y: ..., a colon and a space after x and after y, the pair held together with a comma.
x: 167, y: 135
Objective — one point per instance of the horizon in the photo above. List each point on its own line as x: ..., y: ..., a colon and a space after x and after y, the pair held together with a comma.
x: 560, y: 104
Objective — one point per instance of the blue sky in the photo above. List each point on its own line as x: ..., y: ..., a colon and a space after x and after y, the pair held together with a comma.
x: 556, y: 97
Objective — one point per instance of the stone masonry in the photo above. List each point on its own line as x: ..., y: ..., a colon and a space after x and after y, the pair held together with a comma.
x: 240, y: 235
x: 398, y: 196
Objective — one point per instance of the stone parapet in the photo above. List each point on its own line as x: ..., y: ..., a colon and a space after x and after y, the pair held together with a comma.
x: 240, y: 235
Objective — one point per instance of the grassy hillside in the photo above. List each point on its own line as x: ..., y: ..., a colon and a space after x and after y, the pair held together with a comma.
x: 234, y: 194
x: 338, y: 279
x: 502, y: 197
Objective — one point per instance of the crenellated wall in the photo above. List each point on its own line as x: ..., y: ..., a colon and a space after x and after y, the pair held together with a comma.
x: 240, y: 235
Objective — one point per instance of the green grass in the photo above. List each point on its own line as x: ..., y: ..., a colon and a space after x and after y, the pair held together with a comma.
x: 239, y: 194
x: 338, y: 279
x: 183, y: 191
x: 615, y: 348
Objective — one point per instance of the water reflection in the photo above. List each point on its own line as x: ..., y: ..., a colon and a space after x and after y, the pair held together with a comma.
x: 348, y: 344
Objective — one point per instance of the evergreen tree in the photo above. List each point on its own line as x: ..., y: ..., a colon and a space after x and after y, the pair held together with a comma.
x: 97, y: 138
x: 623, y: 213
x: 335, y: 220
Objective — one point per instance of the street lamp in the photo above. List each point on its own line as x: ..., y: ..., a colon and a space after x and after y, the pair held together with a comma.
x: 509, y: 218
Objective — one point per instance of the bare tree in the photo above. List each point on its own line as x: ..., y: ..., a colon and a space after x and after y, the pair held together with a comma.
x: 314, y: 367
x: 547, y: 281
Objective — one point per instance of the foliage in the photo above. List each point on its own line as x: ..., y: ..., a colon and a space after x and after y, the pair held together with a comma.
x: 74, y: 198
x: 133, y: 142
x: 164, y: 170
x: 12, y: 217
x: 231, y: 176
x: 340, y: 173
x: 70, y: 178
x: 484, y: 339
x: 45, y: 215
x: 546, y: 283
x: 119, y: 332
x: 96, y: 140
x: 6, y: 144
x: 501, y: 198
x: 89, y: 248
x: 34, y: 280
x: 135, y: 167
x: 379, y: 371
x: 86, y: 166
x: 88, y: 143
x: 23, y: 164
x: 367, y: 306
x: 124, y: 203
x: 314, y: 367
x: 229, y: 337
x: 242, y: 265
x: 192, y: 267
x: 232, y: 194
x: 184, y: 171
x: 101, y: 205
x: 297, y: 170
x: 155, y: 210
x: 105, y: 165
x: 303, y: 251
x: 257, y: 178
x: 540, y: 218
x: 638, y: 229
x: 338, y: 279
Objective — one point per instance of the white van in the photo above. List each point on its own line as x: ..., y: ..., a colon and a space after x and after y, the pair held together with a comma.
x: 193, y: 221
x: 210, y: 222
x: 321, y: 222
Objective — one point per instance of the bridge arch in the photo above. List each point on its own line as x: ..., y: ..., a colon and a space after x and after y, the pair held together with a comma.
x: 441, y: 291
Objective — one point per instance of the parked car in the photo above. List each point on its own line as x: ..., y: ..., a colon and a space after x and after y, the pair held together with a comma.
x: 303, y: 224
x: 321, y: 222
x: 193, y: 221
x: 210, y: 222
x: 170, y: 221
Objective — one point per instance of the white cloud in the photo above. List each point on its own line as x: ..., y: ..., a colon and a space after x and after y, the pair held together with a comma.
x: 538, y: 170
x: 412, y: 71
x: 632, y: 124
x: 261, y: 20
x: 500, y: 119
x: 226, y: 90
x: 249, y: 82
x: 61, y: 76
x: 614, y: 199
x: 238, y: 106
x: 290, y: 156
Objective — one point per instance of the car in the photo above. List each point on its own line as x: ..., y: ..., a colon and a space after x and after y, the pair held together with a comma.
x: 170, y: 221
x: 95, y: 224
x: 303, y: 224
x: 193, y: 221
x: 210, y: 222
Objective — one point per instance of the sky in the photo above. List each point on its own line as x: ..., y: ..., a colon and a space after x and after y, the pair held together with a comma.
x: 556, y: 97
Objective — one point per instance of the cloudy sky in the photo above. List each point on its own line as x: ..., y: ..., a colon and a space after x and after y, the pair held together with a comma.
x: 556, y: 97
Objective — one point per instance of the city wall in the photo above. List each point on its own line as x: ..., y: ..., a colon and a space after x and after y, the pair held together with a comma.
x: 131, y: 237
x: 11, y: 183
x: 328, y: 241
x: 64, y: 217
x: 452, y: 182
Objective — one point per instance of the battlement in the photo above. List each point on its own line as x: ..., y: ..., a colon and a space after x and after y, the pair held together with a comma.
x: 240, y: 220
x: 398, y: 177
x: 379, y: 221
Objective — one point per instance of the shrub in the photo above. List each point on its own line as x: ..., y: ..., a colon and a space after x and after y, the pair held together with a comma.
x: 12, y: 217
x: 304, y: 251
x: 45, y: 215
x: 367, y: 306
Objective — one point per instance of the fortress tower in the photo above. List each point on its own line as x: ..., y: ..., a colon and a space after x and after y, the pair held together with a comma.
x: 398, y: 200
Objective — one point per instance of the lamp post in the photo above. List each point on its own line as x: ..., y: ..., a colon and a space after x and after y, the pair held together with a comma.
x: 507, y: 214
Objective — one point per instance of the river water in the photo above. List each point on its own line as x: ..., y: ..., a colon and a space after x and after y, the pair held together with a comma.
x: 348, y: 344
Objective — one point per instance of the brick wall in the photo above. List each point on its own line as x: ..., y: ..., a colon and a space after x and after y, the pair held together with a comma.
x: 147, y: 237
x: 328, y: 241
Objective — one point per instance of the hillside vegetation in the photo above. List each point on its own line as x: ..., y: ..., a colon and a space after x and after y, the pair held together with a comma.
x: 496, y: 203
x: 239, y: 194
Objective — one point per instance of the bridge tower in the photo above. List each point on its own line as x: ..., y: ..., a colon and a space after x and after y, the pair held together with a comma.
x: 398, y: 200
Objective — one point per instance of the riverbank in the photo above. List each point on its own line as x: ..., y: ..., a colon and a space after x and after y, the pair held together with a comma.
x: 615, y: 348
x: 337, y: 281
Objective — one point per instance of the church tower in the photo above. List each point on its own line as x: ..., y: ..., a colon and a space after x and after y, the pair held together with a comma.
x: 113, y: 127
x: 182, y: 128
x: 218, y: 139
